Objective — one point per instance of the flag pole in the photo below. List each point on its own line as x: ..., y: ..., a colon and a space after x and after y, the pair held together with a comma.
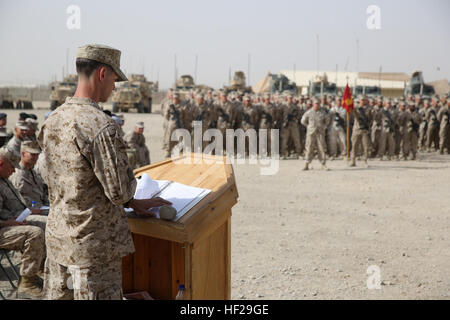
x: 348, y: 135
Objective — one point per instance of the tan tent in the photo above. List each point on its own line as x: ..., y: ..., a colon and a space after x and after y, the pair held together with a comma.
x: 263, y: 85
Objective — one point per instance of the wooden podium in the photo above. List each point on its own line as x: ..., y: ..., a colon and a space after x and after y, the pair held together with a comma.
x: 195, y: 250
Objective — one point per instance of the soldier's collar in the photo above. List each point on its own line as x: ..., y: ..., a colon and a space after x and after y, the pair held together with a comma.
x: 74, y: 100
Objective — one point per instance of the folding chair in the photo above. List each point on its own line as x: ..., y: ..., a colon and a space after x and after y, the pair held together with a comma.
x: 5, y: 254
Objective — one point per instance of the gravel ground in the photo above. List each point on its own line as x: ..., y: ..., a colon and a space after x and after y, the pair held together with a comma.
x: 313, y: 235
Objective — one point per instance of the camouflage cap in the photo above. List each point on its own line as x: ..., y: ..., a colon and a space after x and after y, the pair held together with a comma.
x: 3, y: 115
x: 32, y: 124
x: 22, y: 125
x: 30, y: 146
x: 10, y: 156
x: 103, y: 54
x: 140, y: 124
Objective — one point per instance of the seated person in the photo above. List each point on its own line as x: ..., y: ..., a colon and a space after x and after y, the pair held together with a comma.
x: 136, y: 140
x: 24, y: 236
x: 20, y: 134
x: 26, y: 180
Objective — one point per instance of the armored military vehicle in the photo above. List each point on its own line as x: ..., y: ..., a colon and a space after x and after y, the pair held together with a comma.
x: 62, y: 90
x: 321, y: 86
x: 126, y: 96
x: 370, y: 91
x: 281, y: 84
x: 184, y: 84
x: 417, y: 85
x: 238, y: 83
x: 145, y: 88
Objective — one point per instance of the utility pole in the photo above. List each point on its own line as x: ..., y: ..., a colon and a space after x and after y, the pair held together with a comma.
x: 195, y: 68
x: 317, y: 52
x: 248, y: 69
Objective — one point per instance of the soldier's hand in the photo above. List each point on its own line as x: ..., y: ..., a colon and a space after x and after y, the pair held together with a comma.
x: 12, y: 222
x: 142, y: 206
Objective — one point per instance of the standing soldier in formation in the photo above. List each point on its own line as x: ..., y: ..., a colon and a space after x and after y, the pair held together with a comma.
x: 399, y: 129
x: 376, y: 129
x: 433, y: 126
x: 336, y: 131
x: 226, y: 115
x: 444, y: 129
x: 388, y: 120
x: 165, y: 103
x: 424, y: 125
x: 203, y: 112
x: 266, y: 121
x: 316, y: 121
x: 410, y: 122
x: 291, y: 115
x: 360, y: 132
x: 173, y: 118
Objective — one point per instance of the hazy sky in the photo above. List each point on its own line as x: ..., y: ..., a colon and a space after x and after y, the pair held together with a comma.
x: 278, y: 34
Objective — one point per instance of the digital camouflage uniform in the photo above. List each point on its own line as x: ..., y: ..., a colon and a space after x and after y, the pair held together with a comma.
x: 30, y: 185
x: 315, y: 122
x: 409, y: 123
x: 291, y: 115
x: 89, y: 179
x: 27, y: 238
x: 360, y: 132
x: 137, y: 142
x: 388, y: 119
x: 444, y: 129
x: 432, y: 135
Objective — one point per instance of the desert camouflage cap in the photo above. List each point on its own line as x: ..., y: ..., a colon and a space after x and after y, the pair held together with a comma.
x: 103, y: 54
x: 30, y: 146
x: 10, y: 156
x: 32, y: 124
x: 140, y: 124
x: 22, y: 125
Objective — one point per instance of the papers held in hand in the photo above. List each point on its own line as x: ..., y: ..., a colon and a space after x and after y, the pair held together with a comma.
x: 25, y: 213
x: 183, y: 197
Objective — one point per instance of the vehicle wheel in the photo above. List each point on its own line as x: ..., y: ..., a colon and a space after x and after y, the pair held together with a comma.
x: 29, y: 105
x: 150, y: 105
x: 139, y: 107
x: 115, y: 107
x: 19, y: 105
x: 53, y: 105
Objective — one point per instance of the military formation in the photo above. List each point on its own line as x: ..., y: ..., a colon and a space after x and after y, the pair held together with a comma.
x: 380, y: 127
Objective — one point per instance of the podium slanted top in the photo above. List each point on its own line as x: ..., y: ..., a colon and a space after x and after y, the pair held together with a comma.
x: 197, y: 170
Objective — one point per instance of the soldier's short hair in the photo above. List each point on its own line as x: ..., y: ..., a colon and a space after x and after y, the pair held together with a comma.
x: 86, y: 67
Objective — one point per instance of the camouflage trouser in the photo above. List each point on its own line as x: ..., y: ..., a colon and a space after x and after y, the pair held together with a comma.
x: 375, y: 140
x: 410, y: 144
x: 31, y: 241
x: 165, y: 141
x: 422, y: 134
x: 432, y: 137
x: 313, y: 141
x: 290, y: 131
x: 398, y: 142
x: 99, y: 282
x: 144, y: 156
x: 444, y: 138
x: 336, y: 142
x: 387, y: 139
x: 360, y: 139
x: 132, y: 158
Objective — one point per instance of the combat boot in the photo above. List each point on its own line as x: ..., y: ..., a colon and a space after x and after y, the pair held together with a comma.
x: 30, y: 287
x: 324, y: 167
x: 295, y: 155
x: 353, y: 164
x: 306, y: 168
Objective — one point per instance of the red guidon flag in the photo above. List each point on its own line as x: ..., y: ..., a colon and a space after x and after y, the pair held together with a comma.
x: 347, y: 101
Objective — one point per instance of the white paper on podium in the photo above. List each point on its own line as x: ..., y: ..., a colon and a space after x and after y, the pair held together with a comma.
x: 25, y: 213
x: 183, y: 197
x: 147, y: 188
x: 45, y: 208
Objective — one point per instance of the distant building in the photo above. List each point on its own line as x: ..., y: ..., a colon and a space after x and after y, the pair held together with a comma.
x: 391, y: 84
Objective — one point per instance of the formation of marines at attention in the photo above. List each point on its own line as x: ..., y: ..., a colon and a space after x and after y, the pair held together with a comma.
x: 380, y: 127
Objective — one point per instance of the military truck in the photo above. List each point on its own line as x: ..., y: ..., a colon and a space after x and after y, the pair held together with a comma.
x: 184, y: 85
x: 145, y: 88
x: 281, y: 84
x: 320, y: 86
x: 6, y: 101
x: 238, y: 83
x: 126, y: 96
x: 62, y: 90
x: 417, y: 85
x: 370, y: 91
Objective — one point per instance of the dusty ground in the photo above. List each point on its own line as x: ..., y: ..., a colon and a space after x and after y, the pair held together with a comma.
x: 313, y: 235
